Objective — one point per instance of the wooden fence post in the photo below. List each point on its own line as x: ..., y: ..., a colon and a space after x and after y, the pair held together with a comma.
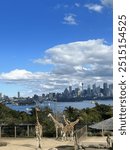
x: 0, y: 131
x: 28, y: 130
x: 15, y: 131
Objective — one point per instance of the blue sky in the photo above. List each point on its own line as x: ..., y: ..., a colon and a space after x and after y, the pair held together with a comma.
x: 47, y: 45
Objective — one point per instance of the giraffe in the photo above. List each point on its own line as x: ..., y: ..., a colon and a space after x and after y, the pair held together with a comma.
x: 67, y: 122
x: 38, y: 130
x: 69, y: 128
x: 109, y: 141
x: 58, y: 125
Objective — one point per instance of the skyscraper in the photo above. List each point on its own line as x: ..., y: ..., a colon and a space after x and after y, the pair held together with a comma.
x: 70, y: 89
x: 105, y: 89
x: 18, y: 94
x: 0, y: 95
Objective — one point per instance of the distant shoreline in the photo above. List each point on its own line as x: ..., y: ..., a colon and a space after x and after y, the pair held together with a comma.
x: 80, y: 99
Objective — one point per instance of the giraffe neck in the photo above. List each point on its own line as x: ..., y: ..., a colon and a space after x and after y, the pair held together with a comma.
x: 67, y: 122
x: 55, y: 121
x: 37, y: 119
x: 74, y: 123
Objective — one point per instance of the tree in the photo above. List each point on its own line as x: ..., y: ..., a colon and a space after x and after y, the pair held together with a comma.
x: 71, y: 113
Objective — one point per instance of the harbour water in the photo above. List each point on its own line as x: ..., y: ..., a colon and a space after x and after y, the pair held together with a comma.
x: 60, y: 106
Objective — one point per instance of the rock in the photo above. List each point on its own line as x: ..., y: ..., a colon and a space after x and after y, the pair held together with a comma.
x: 3, y: 144
x: 65, y: 147
x: 53, y: 149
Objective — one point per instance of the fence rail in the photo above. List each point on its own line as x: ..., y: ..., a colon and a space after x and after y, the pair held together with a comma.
x: 21, y: 130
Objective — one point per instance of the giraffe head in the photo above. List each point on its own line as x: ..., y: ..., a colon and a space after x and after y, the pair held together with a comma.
x: 49, y: 114
x: 80, y: 118
x: 37, y: 109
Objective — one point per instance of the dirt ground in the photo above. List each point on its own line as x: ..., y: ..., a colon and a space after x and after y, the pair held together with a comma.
x: 47, y: 143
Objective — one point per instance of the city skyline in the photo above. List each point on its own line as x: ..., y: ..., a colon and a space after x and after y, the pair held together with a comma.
x: 48, y: 45
x: 81, y: 89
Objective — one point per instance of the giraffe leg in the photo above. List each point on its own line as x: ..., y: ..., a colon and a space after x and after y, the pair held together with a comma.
x: 40, y: 145
x: 37, y: 143
x: 56, y: 133
x: 72, y: 136
x: 64, y: 137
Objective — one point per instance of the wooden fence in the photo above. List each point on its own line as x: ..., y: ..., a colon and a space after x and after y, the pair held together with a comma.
x: 21, y: 130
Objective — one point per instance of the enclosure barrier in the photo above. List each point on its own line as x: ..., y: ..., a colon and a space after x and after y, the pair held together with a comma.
x: 19, y: 130
x: 79, y: 135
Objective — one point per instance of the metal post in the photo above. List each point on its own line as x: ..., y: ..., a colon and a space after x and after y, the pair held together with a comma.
x: 75, y: 141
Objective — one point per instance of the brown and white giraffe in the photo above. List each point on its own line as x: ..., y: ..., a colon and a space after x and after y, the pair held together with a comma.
x: 38, y: 130
x: 69, y: 128
x: 109, y: 141
x: 67, y: 131
x: 67, y: 122
x: 58, y: 125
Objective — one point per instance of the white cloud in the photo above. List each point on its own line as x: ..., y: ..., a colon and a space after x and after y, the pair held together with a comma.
x: 80, y: 61
x: 94, y: 7
x: 61, y: 6
x: 22, y: 74
x: 78, y: 53
x: 77, y: 4
x: 107, y: 2
x: 83, y: 61
x: 16, y: 75
x: 70, y: 19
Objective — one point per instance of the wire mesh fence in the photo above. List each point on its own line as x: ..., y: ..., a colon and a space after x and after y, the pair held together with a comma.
x: 80, y: 135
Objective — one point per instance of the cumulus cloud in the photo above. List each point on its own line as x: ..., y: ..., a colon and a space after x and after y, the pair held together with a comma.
x: 99, y: 7
x: 107, y: 2
x: 82, y: 61
x: 16, y: 75
x: 78, y: 53
x: 21, y: 74
x: 70, y: 19
x: 94, y: 7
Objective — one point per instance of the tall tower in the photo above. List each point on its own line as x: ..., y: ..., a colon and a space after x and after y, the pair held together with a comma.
x: 18, y: 94
x: 82, y: 87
